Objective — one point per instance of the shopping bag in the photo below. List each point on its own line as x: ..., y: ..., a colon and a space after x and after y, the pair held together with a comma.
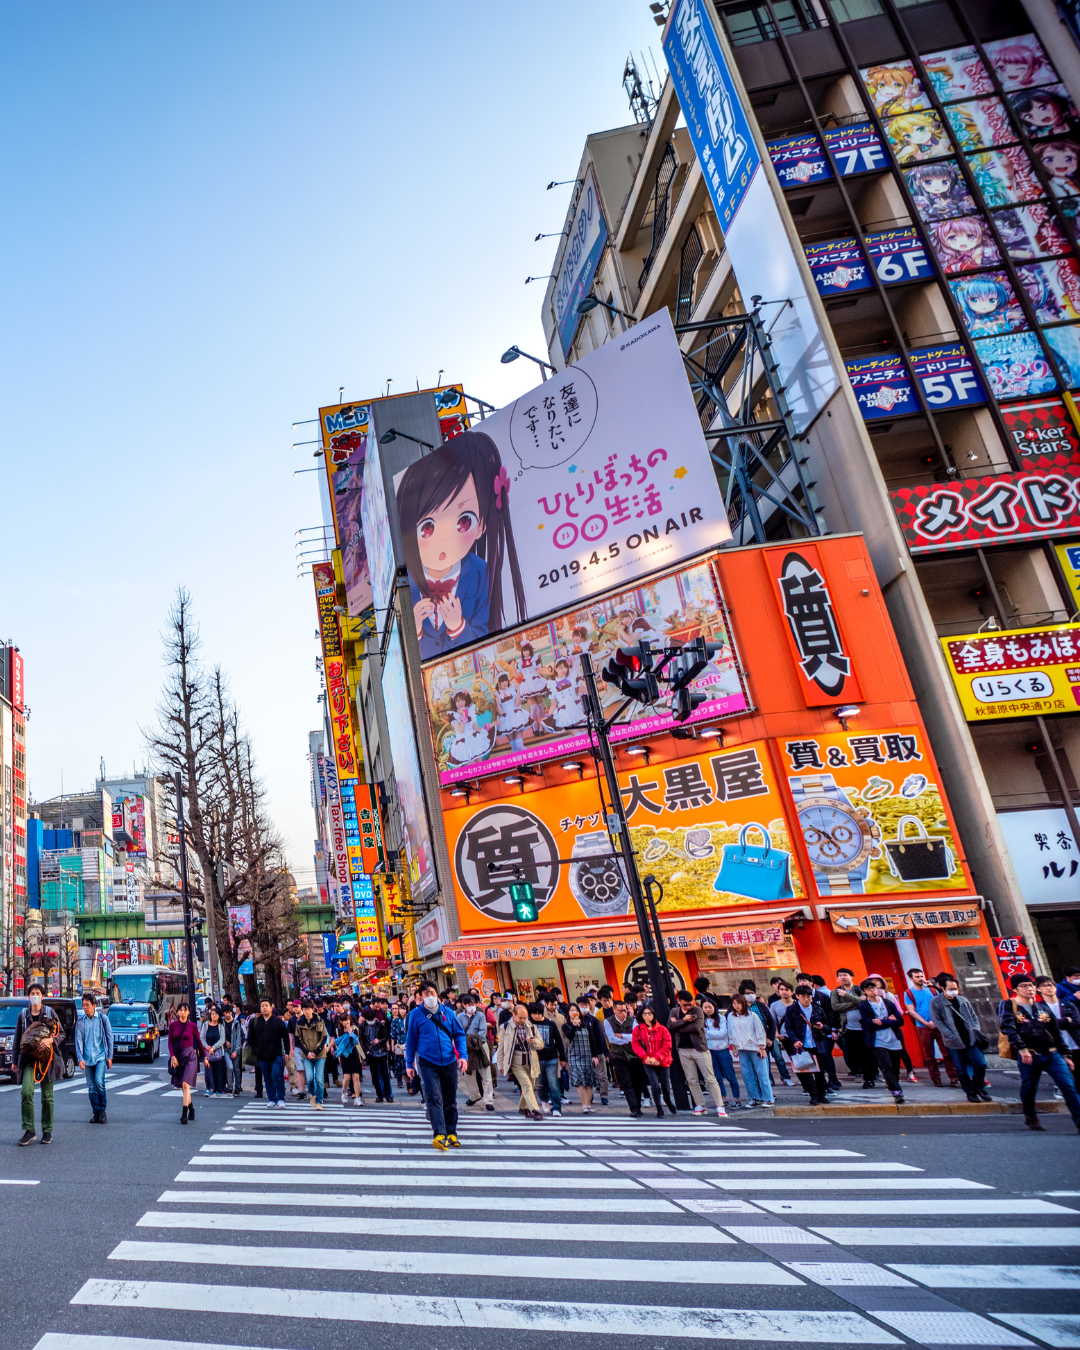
x: 923, y: 858
x: 757, y: 872
x: 804, y: 1062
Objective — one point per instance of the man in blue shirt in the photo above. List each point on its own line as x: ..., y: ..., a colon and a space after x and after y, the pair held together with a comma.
x: 94, y: 1047
x: 435, y: 1045
x: 917, y: 999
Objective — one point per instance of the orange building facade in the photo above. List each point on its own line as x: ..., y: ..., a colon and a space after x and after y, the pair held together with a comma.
x: 778, y: 838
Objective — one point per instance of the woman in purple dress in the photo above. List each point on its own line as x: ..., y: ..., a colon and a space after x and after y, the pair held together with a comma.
x: 185, y: 1047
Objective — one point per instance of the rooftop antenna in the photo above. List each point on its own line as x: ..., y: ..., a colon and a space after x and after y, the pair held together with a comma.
x: 642, y: 95
x: 388, y: 383
x: 103, y: 768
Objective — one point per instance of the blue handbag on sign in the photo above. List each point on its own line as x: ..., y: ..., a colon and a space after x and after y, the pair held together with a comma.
x: 759, y: 873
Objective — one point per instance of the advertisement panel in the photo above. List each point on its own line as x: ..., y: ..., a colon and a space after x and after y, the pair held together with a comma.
x: 371, y: 839
x: 240, y: 931
x: 517, y: 700
x: 339, y: 709
x: 711, y: 829
x: 937, y: 517
x: 1016, y: 672
x: 345, y: 429
x: 375, y: 524
x: 581, y: 257
x: 897, y: 255
x: 589, y: 481
x: 821, y: 655
x: 799, y: 160
x: 1043, y: 433
x: 15, y: 680
x: 339, y: 845
x: 419, y: 854
x: 367, y: 923
x: 1044, y: 854
x: 762, y: 253
x: 1068, y: 556
x: 948, y: 380
x: 871, y: 813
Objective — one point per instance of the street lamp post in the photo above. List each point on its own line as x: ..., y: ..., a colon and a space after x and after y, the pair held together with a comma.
x: 391, y: 434
x: 512, y: 354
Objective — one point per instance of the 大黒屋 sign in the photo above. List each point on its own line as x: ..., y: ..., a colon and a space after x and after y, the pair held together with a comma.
x: 940, y: 516
x: 875, y: 922
x: 1015, y: 672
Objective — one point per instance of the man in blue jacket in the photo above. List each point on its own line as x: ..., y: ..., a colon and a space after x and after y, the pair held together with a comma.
x: 435, y: 1044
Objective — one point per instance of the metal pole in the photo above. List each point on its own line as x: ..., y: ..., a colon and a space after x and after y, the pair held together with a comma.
x: 657, y: 981
x: 1063, y: 787
x: 186, y: 898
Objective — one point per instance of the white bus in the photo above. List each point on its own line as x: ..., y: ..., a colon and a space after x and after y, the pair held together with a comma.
x: 160, y: 986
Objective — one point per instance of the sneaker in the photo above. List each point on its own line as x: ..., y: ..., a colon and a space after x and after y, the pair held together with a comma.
x: 453, y: 1141
x: 698, y: 1111
x: 911, y: 1078
x: 281, y: 1106
x: 545, y: 1108
x: 270, y: 1106
x: 553, y: 1111
x: 219, y: 1094
x: 788, y: 1082
x: 439, y: 1142
x: 984, y: 1096
x: 344, y: 1099
x: 317, y: 1106
x: 603, y: 1101
x: 28, y: 1138
x: 46, y: 1136
x: 208, y: 1093
x: 898, y: 1098
x: 313, y: 1101
x: 720, y: 1111
x: 358, y: 1100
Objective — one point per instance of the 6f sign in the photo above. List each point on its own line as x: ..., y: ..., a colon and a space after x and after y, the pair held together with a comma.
x: 813, y: 628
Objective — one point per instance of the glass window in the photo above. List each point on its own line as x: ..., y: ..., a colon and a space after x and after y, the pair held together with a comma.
x: 120, y: 1016
x: 9, y: 1015
x: 137, y: 988
x: 847, y: 11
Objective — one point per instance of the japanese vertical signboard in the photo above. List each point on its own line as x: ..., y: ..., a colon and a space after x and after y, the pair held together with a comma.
x: 345, y: 429
x: 339, y: 711
x: 338, y: 840
x: 1018, y: 672
x: 580, y: 259
x: 367, y: 923
x: 822, y: 656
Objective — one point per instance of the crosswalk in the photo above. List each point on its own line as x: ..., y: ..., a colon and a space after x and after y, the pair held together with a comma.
x: 285, y: 1231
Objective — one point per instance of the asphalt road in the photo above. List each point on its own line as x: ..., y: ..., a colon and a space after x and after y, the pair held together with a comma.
x: 309, y: 1231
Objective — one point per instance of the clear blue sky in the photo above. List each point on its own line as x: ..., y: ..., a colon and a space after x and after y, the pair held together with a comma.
x: 215, y: 213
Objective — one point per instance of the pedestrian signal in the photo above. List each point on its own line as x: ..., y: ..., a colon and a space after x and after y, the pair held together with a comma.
x: 524, y: 902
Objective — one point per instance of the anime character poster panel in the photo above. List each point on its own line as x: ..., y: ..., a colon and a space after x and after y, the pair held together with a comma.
x: 1015, y: 365
x: 345, y: 429
x: 980, y: 124
x: 516, y: 700
x: 1053, y: 289
x: 1020, y: 62
x: 1061, y: 160
x: 939, y: 190
x: 964, y: 244
x: 957, y: 73
x: 376, y: 527
x: 988, y: 304
x: 419, y: 854
x: 917, y: 136
x: 593, y: 480
x: 1005, y: 176
x: 894, y: 88
x: 1030, y: 232
x: 1048, y: 111
x: 1066, y: 344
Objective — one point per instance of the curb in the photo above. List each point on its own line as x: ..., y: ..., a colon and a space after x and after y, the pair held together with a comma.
x: 913, y: 1109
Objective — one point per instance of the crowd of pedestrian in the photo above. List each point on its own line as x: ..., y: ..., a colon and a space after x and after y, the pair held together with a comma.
x: 730, y: 1047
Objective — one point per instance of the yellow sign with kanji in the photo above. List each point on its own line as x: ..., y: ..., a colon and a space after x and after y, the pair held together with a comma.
x: 1016, y: 672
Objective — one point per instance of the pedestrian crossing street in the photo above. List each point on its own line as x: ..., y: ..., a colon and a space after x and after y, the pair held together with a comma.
x: 285, y: 1227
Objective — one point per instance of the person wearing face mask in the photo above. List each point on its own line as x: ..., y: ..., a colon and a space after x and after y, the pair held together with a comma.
x: 435, y: 1045
x: 956, y: 1024
x: 375, y: 1041
x: 1069, y: 984
x: 39, y: 1063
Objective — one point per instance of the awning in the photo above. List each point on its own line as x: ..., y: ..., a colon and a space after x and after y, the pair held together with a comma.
x: 739, y: 928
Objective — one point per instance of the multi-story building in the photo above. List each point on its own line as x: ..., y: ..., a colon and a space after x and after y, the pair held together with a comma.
x: 891, y: 188
x: 13, y: 876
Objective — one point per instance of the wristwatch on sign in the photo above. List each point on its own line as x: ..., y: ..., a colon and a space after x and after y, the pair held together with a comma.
x: 839, y: 837
x: 596, y: 880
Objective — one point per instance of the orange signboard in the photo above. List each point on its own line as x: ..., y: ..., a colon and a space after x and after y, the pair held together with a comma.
x: 871, y: 813
x: 711, y: 829
x: 815, y: 637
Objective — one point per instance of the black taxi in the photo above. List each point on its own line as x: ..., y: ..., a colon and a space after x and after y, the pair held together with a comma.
x: 135, y: 1031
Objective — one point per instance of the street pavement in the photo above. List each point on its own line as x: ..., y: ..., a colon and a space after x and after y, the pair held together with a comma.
x: 298, y: 1230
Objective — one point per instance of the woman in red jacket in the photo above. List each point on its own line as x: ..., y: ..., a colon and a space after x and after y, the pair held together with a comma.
x: 651, y: 1042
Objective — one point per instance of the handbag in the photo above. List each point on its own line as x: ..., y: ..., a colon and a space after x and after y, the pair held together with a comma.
x: 249, y: 1057
x: 1005, y: 1050
x: 803, y: 1062
x: 923, y: 858
x: 759, y: 872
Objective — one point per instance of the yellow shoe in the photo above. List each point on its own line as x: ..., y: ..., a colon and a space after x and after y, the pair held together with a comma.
x: 453, y: 1141
x: 439, y: 1142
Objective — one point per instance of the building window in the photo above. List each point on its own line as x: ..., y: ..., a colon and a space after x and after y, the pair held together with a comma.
x: 751, y: 22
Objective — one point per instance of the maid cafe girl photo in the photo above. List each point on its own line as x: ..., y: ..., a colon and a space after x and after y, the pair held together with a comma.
x: 454, y: 508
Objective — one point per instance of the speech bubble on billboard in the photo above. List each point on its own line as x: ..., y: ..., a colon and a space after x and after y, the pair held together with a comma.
x: 549, y: 426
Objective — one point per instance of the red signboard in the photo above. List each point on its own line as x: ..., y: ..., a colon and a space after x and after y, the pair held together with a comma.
x: 822, y: 656
x: 15, y: 679
x: 1012, y: 955
x: 937, y: 517
x: 1043, y: 433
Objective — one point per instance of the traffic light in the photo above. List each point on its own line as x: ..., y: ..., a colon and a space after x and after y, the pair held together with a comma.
x: 682, y: 671
x: 524, y: 902
x: 631, y: 670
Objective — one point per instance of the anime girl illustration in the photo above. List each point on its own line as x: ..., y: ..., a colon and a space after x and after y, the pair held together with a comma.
x: 957, y: 73
x: 470, y: 741
x: 567, y: 705
x: 1044, y: 112
x: 987, y: 304
x: 964, y: 244
x: 894, y: 89
x: 1044, y: 296
x: 512, y: 717
x: 1029, y: 232
x: 939, y: 190
x: 1020, y: 62
x: 916, y: 136
x: 454, y: 507
x: 1061, y: 159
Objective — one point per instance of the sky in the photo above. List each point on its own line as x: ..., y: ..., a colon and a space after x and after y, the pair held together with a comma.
x: 216, y: 213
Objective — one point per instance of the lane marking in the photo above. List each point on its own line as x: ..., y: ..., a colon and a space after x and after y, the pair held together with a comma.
x: 138, y: 1091
x: 332, y: 1200
x: 948, y: 1328
x: 993, y: 1277
x: 446, y: 1163
x: 952, y: 1237
x: 884, y: 1208
x: 395, y: 1180
x: 849, y: 1184
x: 489, y: 1314
x: 1060, y: 1330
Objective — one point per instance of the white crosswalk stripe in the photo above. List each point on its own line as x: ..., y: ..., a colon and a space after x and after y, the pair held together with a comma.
x: 295, y: 1219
